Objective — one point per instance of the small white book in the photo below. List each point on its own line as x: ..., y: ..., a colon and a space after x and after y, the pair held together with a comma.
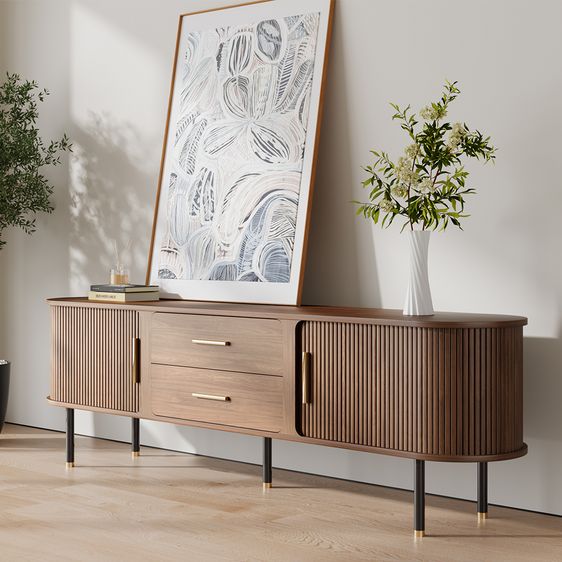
x: 123, y: 297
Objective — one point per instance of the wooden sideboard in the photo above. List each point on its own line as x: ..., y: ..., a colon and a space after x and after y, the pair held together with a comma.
x: 447, y: 387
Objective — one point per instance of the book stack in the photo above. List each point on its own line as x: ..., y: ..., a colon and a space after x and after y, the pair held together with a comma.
x: 124, y: 293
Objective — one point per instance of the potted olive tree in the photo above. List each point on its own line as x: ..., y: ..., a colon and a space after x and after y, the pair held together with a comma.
x: 24, y: 190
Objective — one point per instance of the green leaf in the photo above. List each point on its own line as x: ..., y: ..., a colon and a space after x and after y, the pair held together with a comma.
x: 436, y: 161
x: 24, y: 190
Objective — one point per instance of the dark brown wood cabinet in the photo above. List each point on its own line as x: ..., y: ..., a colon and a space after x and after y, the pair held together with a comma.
x: 439, y: 394
x: 447, y: 387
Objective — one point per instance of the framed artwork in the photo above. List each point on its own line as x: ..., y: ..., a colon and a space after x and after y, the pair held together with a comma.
x: 238, y: 161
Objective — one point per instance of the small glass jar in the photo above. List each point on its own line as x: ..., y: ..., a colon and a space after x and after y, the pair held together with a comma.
x: 119, y: 273
x: 119, y: 276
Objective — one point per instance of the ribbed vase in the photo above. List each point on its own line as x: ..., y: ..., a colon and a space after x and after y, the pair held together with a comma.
x: 418, y: 296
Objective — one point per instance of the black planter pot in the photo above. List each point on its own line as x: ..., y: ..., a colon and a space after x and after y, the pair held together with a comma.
x: 4, y: 389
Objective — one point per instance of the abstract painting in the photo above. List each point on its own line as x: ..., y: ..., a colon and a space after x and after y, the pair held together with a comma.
x: 239, y: 152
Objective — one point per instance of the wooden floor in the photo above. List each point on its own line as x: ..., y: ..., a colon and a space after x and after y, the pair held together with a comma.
x: 168, y: 506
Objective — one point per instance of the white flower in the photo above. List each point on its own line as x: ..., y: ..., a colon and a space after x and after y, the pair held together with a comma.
x: 403, y: 170
x: 404, y: 163
x: 386, y: 205
x: 453, y: 143
x: 426, y: 186
x: 458, y: 132
x: 431, y: 113
x: 400, y: 191
x: 412, y: 151
x: 426, y: 113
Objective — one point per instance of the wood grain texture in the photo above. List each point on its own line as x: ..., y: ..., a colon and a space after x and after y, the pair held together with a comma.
x: 253, y: 401
x: 254, y: 345
x: 166, y: 506
x: 447, y: 389
x: 92, y: 357
x: 442, y: 393
x: 377, y: 316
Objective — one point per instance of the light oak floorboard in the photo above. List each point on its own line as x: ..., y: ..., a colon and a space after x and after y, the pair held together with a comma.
x: 167, y: 506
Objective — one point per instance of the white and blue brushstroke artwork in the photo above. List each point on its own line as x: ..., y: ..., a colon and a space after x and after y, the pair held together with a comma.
x: 237, y: 158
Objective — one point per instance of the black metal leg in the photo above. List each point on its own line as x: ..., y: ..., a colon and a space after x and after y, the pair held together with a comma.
x: 267, y: 462
x: 69, y: 438
x: 419, y: 499
x: 135, y: 437
x: 482, y: 491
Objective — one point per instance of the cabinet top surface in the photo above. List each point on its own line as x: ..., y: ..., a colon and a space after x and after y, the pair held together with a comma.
x: 371, y: 315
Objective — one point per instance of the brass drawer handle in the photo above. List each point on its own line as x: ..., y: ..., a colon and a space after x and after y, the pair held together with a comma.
x: 305, y: 376
x: 210, y: 397
x: 135, y: 371
x: 210, y: 342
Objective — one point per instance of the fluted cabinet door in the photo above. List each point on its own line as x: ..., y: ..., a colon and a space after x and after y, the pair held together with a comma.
x: 92, y: 357
x: 444, y: 392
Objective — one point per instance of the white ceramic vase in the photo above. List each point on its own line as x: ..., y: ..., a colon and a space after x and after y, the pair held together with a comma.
x: 418, y: 296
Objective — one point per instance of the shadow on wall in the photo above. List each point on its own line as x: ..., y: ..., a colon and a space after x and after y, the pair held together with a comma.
x: 340, y: 252
x: 108, y: 201
x: 543, y: 389
x: 542, y: 422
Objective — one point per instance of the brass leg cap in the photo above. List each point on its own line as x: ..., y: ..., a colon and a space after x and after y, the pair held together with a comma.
x: 419, y: 534
x: 267, y: 485
x: 135, y: 454
x: 70, y: 465
x: 482, y: 515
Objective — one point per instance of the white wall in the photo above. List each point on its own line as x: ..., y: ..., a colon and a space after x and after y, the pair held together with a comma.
x: 108, y: 65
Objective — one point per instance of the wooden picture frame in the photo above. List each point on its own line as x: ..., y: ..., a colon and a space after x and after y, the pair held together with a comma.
x: 239, y: 154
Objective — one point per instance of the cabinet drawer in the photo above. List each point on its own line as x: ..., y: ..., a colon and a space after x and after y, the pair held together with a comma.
x: 249, y: 345
x: 233, y: 399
